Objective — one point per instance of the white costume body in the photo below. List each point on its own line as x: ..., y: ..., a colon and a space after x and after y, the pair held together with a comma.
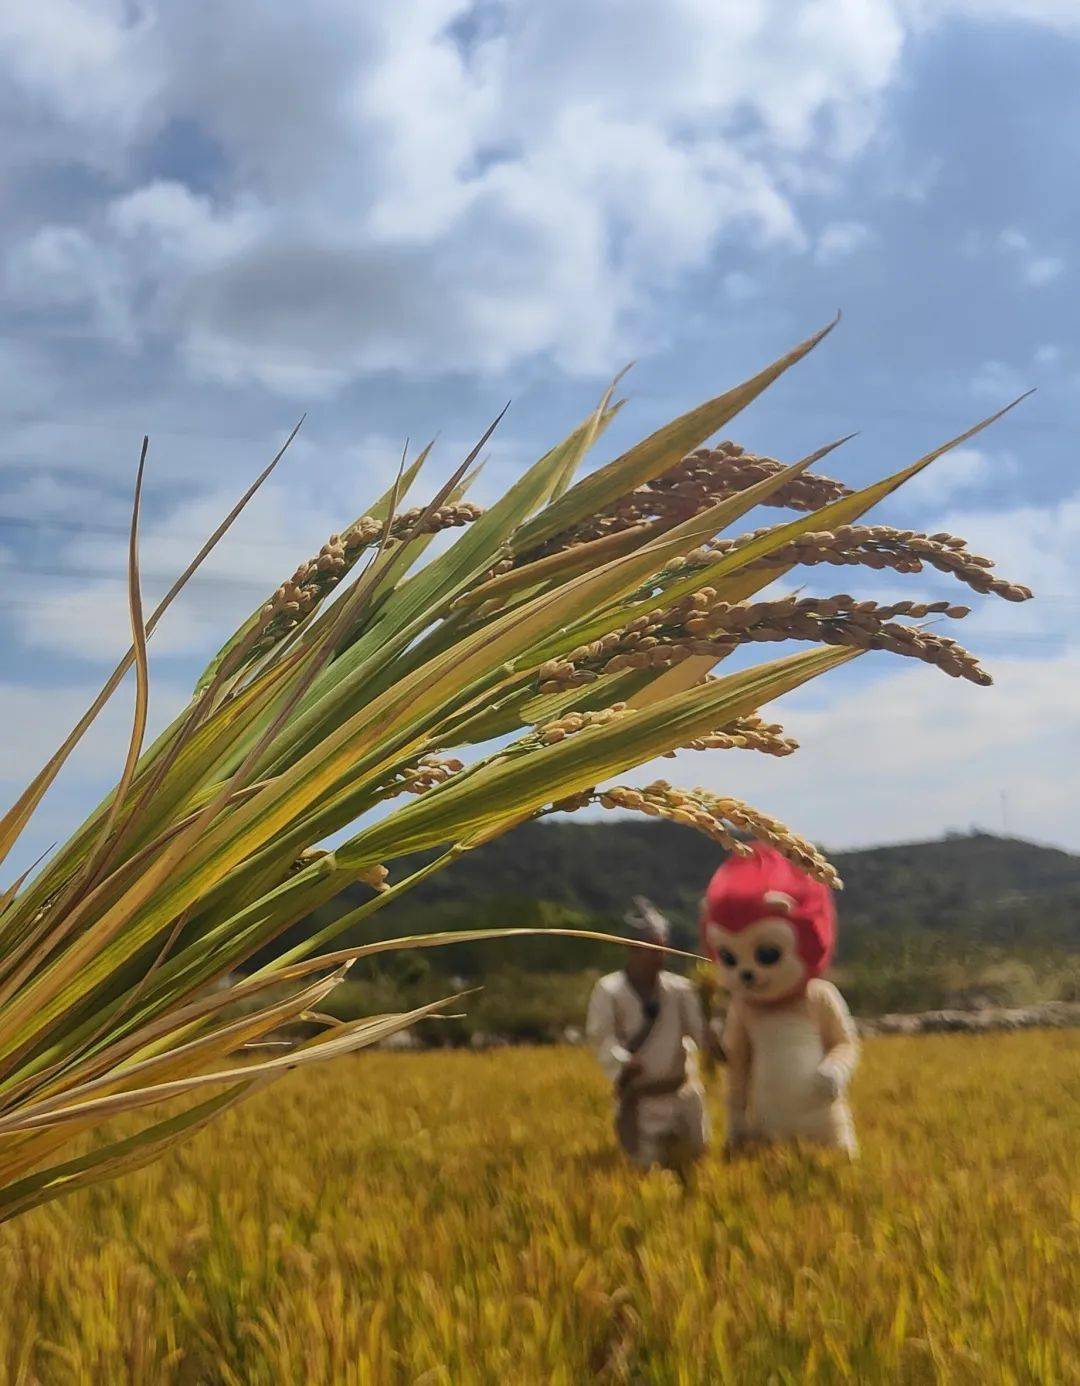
x: 789, y: 1064
x: 616, y: 1015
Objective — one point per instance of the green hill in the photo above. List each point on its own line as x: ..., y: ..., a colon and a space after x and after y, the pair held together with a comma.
x: 969, y: 918
x: 991, y: 887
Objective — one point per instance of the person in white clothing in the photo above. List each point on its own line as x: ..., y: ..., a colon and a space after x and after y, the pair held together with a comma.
x: 646, y: 1027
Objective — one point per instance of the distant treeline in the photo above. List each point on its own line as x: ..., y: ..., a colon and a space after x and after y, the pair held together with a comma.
x: 971, y: 920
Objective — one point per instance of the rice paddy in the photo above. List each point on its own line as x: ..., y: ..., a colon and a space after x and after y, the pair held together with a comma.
x: 446, y: 1218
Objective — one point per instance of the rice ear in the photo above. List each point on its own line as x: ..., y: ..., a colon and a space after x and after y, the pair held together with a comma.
x: 403, y: 708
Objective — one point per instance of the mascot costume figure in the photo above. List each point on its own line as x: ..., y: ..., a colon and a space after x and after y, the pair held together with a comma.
x: 789, y: 1039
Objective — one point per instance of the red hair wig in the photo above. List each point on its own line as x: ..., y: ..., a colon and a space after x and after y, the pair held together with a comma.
x: 766, y: 885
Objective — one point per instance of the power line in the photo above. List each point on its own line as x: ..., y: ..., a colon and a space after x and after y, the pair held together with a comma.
x: 778, y: 402
x: 221, y: 356
x: 108, y: 574
x: 113, y: 531
x: 93, y: 574
x: 132, y: 430
x: 953, y: 418
x: 1001, y: 639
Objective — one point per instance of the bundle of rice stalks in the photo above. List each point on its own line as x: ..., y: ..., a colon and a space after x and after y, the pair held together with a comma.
x: 568, y: 635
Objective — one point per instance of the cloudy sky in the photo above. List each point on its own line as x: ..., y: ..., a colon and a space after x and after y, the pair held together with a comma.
x: 395, y: 217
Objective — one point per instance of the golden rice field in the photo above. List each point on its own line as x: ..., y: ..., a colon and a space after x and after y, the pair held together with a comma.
x: 460, y: 1218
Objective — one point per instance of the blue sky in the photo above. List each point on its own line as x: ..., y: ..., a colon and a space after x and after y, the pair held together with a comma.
x: 397, y: 217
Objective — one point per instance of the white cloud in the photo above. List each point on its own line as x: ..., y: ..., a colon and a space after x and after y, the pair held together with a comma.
x: 892, y: 751
x: 999, y: 381
x: 61, y: 267
x: 1036, y: 268
x: 90, y: 620
x: 741, y: 287
x: 45, y: 716
x: 436, y: 187
x: 46, y: 505
x: 37, y: 720
x: 1058, y: 14
x: 963, y: 469
x: 911, y: 754
x: 441, y: 187
x: 429, y: 187
x: 1011, y: 239
x: 87, y: 616
x: 839, y: 240
x: 445, y: 186
x: 1033, y: 265
x: 89, y: 77
x: 1043, y: 269
x: 1035, y: 545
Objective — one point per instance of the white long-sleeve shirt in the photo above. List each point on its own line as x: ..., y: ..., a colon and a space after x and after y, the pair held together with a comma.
x: 616, y: 1014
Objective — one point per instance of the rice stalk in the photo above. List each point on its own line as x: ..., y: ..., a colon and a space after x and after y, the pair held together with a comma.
x: 403, y: 703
